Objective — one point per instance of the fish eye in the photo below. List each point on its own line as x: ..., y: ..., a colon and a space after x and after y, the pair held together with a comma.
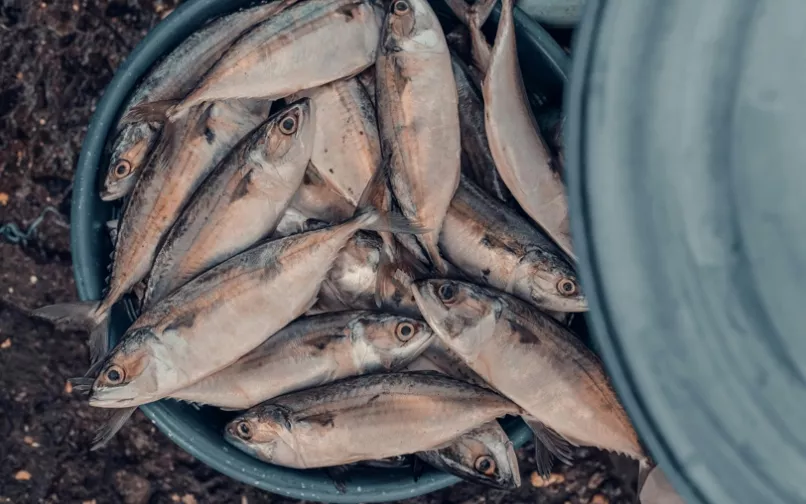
x: 123, y: 168
x: 567, y: 287
x: 404, y: 331
x: 244, y: 430
x: 114, y: 374
x: 485, y: 465
x: 288, y: 126
x: 447, y: 292
x: 400, y: 7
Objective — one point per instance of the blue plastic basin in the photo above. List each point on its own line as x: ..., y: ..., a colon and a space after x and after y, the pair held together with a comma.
x: 199, y: 431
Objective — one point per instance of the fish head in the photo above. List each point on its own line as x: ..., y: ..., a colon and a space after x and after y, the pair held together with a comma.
x: 128, y: 375
x: 263, y: 432
x: 289, y: 134
x: 412, y: 26
x: 484, y: 456
x: 391, y: 341
x: 462, y: 314
x: 129, y: 152
x: 548, y: 281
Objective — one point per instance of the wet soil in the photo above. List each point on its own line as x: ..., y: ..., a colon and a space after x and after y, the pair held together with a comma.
x: 58, y: 56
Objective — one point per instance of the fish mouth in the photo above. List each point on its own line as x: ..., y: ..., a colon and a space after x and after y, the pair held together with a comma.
x: 114, y: 398
x: 107, y: 195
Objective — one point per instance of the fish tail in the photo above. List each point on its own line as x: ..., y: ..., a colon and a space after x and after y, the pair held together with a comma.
x: 111, y: 427
x: 430, y: 243
x: 374, y: 211
x: 156, y: 111
x: 81, y: 384
x: 647, y: 469
x: 548, y: 443
x: 371, y: 219
x: 92, y: 316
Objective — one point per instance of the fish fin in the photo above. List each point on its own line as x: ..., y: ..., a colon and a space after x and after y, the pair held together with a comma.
x: 111, y: 427
x: 549, y: 440
x: 371, y: 219
x: 338, y: 475
x: 646, y: 469
x: 375, y: 208
x: 99, y: 340
x: 417, y: 468
x: 82, y: 315
x: 432, y: 251
x: 657, y: 489
x: 385, y: 263
x: 112, y: 227
x: 81, y: 384
x: 72, y: 316
x: 156, y: 111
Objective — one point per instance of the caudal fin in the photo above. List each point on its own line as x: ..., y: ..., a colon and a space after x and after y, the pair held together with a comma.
x: 156, y: 111
x: 81, y: 316
x: 548, y: 443
x: 374, y: 211
x: 113, y: 424
x: 656, y: 489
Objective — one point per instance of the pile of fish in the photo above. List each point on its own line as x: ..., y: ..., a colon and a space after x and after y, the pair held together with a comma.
x: 346, y: 225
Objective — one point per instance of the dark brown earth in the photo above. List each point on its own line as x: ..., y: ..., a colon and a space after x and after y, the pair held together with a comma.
x: 57, y: 56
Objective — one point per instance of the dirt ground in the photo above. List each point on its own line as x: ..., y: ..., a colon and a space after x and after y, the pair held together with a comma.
x: 57, y: 57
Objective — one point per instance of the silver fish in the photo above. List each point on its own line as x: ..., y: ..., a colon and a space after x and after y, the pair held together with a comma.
x: 310, y: 352
x: 347, y: 149
x: 520, y: 153
x: 253, y: 295
x: 477, y: 160
x: 239, y: 203
x: 171, y: 79
x: 364, y: 418
x: 495, y: 246
x: 484, y: 455
x: 532, y: 360
x: 419, y: 118
x: 362, y: 277
x: 304, y: 46
x: 132, y: 145
x: 188, y: 150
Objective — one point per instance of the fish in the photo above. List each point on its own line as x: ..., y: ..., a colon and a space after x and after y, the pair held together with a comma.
x: 310, y: 352
x: 362, y: 278
x: 240, y: 202
x: 364, y: 418
x: 172, y: 78
x: 493, y: 245
x: 304, y: 46
x: 520, y: 152
x: 532, y: 360
x: 178, y: 341
x: 188, y: 150
x: 347, y: 148
x: 130, y: 151
x: 477, y: 160
x: 318, y: 200
x: 484, y: 455
x: 419, y: 118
